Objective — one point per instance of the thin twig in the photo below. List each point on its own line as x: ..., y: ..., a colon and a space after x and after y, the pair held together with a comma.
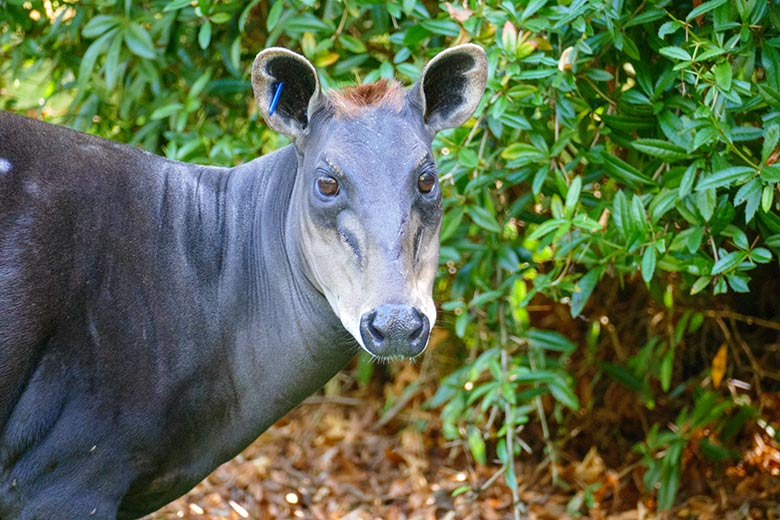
x: 341, y: 25
x: 750, y: 320
x: 510, y: 431
x: 493, y: 478
x: 551, y: 452
x: 396, y: 408
x: 510, y: 446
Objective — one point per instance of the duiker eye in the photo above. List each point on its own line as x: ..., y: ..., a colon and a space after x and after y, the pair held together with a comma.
x: 425, y: 182
x: 327, y: 186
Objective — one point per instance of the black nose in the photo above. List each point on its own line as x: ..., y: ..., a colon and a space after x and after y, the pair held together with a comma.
x: 393, y: 330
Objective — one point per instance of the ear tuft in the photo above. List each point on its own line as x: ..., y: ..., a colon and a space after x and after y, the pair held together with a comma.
x: 451, y: 86
x: 301, y: 87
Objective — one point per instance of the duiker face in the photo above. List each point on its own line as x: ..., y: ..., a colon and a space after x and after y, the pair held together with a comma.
x: 367, y: 198
x: 371, y: 209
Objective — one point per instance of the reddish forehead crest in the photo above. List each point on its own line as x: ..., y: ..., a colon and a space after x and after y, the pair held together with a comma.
x: 348, y: 102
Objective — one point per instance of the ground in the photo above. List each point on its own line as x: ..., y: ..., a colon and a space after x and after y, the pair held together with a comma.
x: 340, y: 456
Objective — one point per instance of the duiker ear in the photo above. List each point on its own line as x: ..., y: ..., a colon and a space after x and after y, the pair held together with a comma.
x: 300, y: 89
x: 451, y: 86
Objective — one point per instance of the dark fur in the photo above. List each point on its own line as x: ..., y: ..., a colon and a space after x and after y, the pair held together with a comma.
x: 131, y: 337
x: 156, y: 316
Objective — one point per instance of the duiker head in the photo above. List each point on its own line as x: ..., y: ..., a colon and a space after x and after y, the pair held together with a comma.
x: 366, y: 209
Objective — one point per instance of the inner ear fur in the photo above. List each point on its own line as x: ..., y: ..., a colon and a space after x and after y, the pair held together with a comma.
x: 451, y: 86
x: 300, y: 90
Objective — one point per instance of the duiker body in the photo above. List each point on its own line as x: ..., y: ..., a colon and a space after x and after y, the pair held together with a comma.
x: 156, y: 317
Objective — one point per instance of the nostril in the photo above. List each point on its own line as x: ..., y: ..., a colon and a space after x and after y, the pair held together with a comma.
x: 368, y: 324
x: 374, y: 331
x: 421, y: 329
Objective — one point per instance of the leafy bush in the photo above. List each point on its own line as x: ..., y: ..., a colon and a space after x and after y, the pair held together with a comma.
x: 619, y: 144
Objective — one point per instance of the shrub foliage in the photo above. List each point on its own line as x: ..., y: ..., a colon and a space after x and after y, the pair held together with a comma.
x: 621, y: 146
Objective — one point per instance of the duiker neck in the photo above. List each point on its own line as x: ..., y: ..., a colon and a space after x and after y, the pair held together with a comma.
x: 288, y: 342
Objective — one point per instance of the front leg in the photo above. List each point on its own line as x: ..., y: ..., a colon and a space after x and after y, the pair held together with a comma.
x: 58, y: 460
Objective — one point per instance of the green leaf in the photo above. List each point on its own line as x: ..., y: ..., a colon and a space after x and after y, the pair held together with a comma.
x: 700, y: 285
x: 648, y: 263
x: 737, y: 236
x: 485, y: 297
x: 738, y: 282
x: 90, y: 57
x: 750, y: 192
x: 306, y: 22
x: 599, y: 75
x: 583, y: 221
x: 138, y: 41
x: 661, y: 204
x: 99, y: 25
x: 623, y: 376
x: 620, y: 214
x: 461, y: 322
x: 694, y: 239
x: 204, y: 35
x: 770, y: 173
x: 352, y: 44
x: 545, y: 228
x: 637, y: 213
x: 549, y: 340
x: 771, y: 134
x: 582, y: 291
x: 531, y: 8
x: 675, y: 53
x: 767, y: 198
x: 365, y: 368
x: 649, y: 15
x: 706, y: 201
x: 556, y: 207
x: 623, y: 171
x: 726, y: 176
x: 166, y: 110
x: 760, y: 255
x: 175, y: 5
x: 476, y: 445
x: 670, y: 480
x: 573, y: 196
x: 744, y: 193
x: 523, y: 153
x: 443, y: 27
x: 668, y: 28
x: 773, y: 241
x: 460, y: 490
x: 666, y: 369
x: 539, y: 178
x: 274, y: 15
x: 235, y: 53
x: 686, y: 184
x: 220, y: 18
x: 728, y: 262
x: 510, y: 477
x: 723, y: 75
x: 112, y: 62
x: 564, y: 394
x: 708, y: 135
x: 770, y: 95
x: 484, y: 219
x: 450, y: 222
x: 509, y: 38
x: 468, y: 158
x: 706, y: 7
x: 661, y: 149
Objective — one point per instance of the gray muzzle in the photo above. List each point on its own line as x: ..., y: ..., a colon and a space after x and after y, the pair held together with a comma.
x: 393, y: 330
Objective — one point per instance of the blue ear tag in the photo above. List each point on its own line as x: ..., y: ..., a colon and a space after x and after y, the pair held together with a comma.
x: 275, y: 100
